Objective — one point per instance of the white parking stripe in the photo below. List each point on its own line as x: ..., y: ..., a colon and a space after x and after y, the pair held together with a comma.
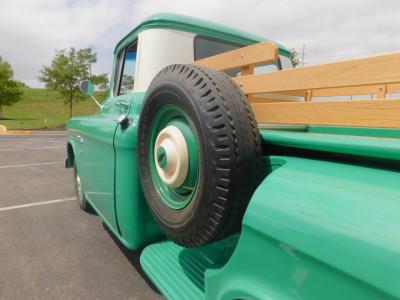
x: 37, y: 203
x: 32, y: 165
x: 37, y: 148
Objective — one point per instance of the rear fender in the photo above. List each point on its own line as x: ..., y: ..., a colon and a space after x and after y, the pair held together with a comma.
x: 313, y: 224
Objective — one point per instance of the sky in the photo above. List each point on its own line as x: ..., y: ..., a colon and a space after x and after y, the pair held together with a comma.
x: 31, y: 30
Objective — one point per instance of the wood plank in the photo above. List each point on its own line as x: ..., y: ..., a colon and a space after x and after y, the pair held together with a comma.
x: 247, y: 70
x: 299, y: 93
x: 257, y: 99
x: 382, y: 92
x: 308, y: 96
x: 273, y: 97
x: 254, y: 54
x: 393, y: 88
x: 341, y: 91
x: 366, y: 113
x: 348, y: 91
x: 381, y: 69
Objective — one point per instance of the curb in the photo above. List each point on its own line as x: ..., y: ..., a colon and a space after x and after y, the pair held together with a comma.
x: 4, y: 131
x: 16, y: 132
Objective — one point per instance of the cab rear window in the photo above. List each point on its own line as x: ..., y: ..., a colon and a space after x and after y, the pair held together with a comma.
x: 206, y: 46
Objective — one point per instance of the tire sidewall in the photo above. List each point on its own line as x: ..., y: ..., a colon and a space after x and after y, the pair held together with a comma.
x: 229, y: 151
x: 80, y: 198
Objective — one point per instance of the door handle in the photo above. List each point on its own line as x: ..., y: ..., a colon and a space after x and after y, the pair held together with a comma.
x: 78, y: 138
x: 122, y: 104
x: 124, y: 121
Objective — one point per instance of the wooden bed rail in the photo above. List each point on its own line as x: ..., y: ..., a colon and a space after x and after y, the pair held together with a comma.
x: 288, y: 96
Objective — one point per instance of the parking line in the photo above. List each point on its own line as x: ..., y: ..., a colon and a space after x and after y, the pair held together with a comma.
x: 32, y: 165
x: 37, y: 203
x: 37, y: 148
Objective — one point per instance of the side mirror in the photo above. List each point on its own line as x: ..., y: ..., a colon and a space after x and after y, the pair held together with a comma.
x: 86, y: 87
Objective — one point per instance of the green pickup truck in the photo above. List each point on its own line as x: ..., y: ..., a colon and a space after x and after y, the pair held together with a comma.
x: 215, y: 156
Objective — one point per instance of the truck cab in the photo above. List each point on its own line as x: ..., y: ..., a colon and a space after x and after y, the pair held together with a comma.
x: 320, y: 220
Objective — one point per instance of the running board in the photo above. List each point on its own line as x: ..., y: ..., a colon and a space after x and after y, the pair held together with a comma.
x: 180, y: 273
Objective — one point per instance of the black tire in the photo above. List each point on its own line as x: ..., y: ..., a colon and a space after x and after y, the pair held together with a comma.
x: 83, y: 204
x: 229, y: 153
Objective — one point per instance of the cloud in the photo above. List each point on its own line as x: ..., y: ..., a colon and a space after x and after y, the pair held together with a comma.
x: 30, y: 31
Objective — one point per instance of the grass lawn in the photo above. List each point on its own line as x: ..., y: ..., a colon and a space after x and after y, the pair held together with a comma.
x: 41, y: 108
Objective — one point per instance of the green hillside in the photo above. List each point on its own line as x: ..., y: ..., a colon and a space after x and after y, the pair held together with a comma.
x: 40, y: 104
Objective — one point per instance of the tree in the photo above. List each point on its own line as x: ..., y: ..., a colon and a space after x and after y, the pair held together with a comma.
x: 10, y: 90
x: 67, y: 70
x: 294, y: 57
x: 89, y: 57
x: 127, y: 83
x: 23, y: 84
x: 101, y: 81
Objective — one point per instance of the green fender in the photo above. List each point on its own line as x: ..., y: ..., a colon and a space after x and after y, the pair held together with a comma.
x: 316, y: 230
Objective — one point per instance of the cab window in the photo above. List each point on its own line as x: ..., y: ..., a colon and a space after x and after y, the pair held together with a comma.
x: 124, y: 80
x: 206, y: 46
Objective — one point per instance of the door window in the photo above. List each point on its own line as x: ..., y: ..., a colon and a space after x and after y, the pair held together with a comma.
x: 125, y: 70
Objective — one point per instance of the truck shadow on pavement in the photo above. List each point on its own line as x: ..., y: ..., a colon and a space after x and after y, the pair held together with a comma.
x: 133, y: 257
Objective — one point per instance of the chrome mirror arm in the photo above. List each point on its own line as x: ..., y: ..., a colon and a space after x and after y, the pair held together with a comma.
x: 97, y: 102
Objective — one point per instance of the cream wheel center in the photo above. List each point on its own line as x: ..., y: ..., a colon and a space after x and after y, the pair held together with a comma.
x: 171, y: 156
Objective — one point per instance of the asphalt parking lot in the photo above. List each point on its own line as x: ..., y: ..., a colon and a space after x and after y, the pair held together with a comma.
x: 49, y: 248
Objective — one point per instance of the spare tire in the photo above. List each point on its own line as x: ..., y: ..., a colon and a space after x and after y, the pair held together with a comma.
x: 199, y: 154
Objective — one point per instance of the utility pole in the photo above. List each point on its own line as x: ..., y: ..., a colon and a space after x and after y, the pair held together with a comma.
x: 302, y: 55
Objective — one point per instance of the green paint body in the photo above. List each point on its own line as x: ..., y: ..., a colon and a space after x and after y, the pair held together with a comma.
x: 314, y: 228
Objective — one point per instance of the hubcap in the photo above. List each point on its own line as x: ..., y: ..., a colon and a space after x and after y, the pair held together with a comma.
x: 174, y: 156
x: 171, y: 156
x: 162, y: 157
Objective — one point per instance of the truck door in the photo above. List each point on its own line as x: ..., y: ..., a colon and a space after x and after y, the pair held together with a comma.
x: 98, y: 152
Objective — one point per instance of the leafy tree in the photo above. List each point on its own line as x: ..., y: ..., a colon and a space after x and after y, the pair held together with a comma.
x: 23, y: 84
x: 10, y: 90
x: 127, y: 83
x: 89, y: 57
x: 294, y: 57
x: 101, y: 81
x: 67, y: 70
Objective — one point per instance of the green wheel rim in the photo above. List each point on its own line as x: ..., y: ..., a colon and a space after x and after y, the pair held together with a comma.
x: 174, y: 197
